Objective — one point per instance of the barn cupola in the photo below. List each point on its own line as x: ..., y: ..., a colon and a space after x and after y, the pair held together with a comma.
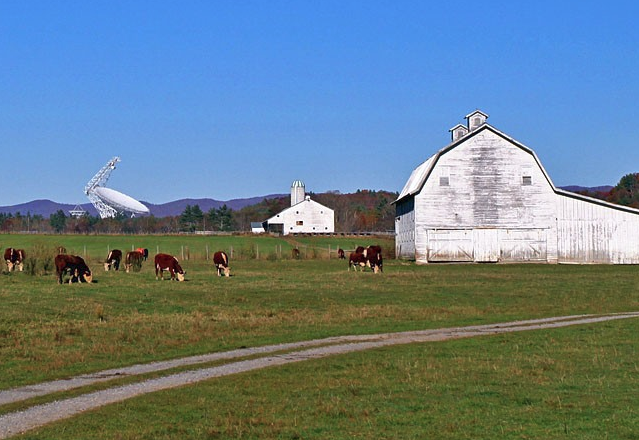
x: 458, y: 132
x: 476, y: 119
x: 298, y: 191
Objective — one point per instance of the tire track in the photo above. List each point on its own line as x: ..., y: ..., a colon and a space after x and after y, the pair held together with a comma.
x: 21, y: 421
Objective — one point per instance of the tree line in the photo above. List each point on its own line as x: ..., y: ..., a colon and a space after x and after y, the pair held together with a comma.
x: 626, y: 192
x: 362, y: 211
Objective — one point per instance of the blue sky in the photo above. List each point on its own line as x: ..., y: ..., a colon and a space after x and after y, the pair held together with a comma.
x: 238, y: 98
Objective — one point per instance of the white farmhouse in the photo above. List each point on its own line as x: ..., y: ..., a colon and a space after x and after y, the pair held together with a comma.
x: 304, y: 216
x: 486, y: 198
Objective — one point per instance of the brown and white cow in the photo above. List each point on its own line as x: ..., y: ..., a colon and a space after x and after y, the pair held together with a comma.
x: 221, y: 262
x: 113, y: 260
x: 133, y: 261
x: 144, y: 252
x: 340, y: 254
x: 374, y: 258
x: 168, y: 262
x: 14, y: 258
x: 76, y: 267
x: 355, y: 260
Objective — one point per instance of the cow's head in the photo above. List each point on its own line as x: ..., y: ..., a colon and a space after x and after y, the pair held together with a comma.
x: 88, y: 276
x: 107, y: 266
x: 227, y: 271
x: 180, y: 275
x: 9, y: 265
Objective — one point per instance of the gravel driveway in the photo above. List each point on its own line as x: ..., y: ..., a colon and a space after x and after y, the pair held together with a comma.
x: 269, y: 356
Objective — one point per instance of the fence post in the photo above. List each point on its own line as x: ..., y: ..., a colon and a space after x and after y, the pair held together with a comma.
x: 207, y: 252
x: 257, y: 251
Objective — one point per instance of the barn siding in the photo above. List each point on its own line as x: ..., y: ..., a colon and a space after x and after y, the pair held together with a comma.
x: 484, y: 191
x: 314, y: 218
x: 487, y: 198
x: 405, y: 229
x: 592, y: 233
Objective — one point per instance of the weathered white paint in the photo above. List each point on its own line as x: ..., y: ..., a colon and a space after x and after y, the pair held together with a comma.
x: 306, y: 217
x: 487, y: 198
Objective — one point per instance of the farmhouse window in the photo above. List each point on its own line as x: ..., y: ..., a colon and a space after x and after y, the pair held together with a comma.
x: 444, y: 181
x: 299, y: 223
x: 526, y: 180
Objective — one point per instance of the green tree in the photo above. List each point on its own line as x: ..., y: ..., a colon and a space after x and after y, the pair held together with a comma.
x: 220, y: 219
x: 627, y: 191
x: 58, y: 221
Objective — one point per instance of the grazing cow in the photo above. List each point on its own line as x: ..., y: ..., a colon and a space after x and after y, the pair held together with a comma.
x: 221, y: 262
x: 133, y: 260
x: 356, y: 259
x: 168, y: 262
x: 295, y: 253
x: 113, y: 260
x: 144, y: 252
x: 14, y: 257
x: 76, y: 266
x: 374, y: 258
x: 340, y: 254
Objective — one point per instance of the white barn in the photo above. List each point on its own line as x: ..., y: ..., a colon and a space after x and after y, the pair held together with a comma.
x: 304, y: 216
x: 486, y: 198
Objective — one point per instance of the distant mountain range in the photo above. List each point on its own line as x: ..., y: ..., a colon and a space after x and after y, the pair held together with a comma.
x: 576, y: 188
x: 47, y: 207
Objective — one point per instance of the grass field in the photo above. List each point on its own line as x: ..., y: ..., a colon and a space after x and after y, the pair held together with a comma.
x: 579, y: 382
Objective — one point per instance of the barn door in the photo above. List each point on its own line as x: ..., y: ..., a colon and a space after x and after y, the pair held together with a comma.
x: 450, y: 245
x: 486, y: 245
x: 524, y: 245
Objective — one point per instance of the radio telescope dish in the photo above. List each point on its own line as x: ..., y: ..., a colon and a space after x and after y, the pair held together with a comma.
x: 110, y: 202
x: 119, y: 201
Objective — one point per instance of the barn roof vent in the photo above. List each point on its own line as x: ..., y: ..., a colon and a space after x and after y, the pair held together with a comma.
x: 476, y: 119
x: 458, y: 132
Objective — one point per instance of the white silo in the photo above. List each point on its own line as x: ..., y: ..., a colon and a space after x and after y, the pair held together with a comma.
x: 298, y: 191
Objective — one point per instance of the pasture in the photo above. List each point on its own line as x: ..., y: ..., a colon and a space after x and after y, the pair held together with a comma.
x: 576, y: 382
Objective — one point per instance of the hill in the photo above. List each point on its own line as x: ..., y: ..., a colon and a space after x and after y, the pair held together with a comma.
x: 47, y: 207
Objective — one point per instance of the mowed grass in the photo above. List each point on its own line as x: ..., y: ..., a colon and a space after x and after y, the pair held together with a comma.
x: 578, y: 382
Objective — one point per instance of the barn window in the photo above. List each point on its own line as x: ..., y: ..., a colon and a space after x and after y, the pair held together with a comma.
x: 444, y: 181
x: 299, y: 223
x: 526, y: 180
